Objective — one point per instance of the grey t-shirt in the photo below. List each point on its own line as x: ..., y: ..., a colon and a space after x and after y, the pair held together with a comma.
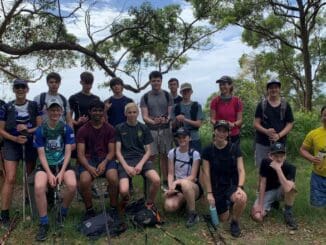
x: 47, y: 98
x: 185, y: 110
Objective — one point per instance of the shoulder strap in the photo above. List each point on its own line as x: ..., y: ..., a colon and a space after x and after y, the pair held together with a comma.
x: 177, y: 109
x: 42, y: 100
x: 194, y: 110
x: 174, y: 155
x: 167, y: 96
x: 263, y: 107
x: 191, y: 156
x: 32, y: 111
x: 64, y: 101
x: 146, y: 99
x: 283, y: 108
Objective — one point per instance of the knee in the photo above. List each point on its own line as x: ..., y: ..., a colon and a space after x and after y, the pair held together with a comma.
x: 10, y: 179
x: 241, y: 199
x: 113, y: 181
x: 169, y: 206
x: 124, y: 191
x: 256, y: 215
x: 84, y: 182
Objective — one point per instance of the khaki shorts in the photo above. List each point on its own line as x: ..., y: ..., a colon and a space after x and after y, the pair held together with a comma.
x: 163, y: 141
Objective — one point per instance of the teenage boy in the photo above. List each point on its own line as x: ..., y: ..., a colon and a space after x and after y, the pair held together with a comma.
x: 53, y: 81
x: 53, y: 140
x: 273, y: 120
x: 276, y: 183
x: 189, y: 115
x: 183, y: 170
x: 18, y: 121
x: 133, y: 150
x: 115, y: 105
x: 173, y: 86
x: 156, y: 106
x: 96, y: 152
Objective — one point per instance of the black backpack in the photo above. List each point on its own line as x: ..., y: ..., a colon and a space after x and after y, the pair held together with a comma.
x: 193, y: 113
x: 282, y: 111
x: 189, y: 163
x: 64, y: 101
x: 167, y: 95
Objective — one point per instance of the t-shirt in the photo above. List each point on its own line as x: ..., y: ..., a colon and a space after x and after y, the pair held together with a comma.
x: 185, y: 110
x: 227, y: 110
x: 223, y: 165
x: 79, y: 103
x: 49, y: 97
x: 116, y: 113
x: 315, y: 142
x: 54, y: 140
x: 177, y: 99
x: 272, y: 181
x: 272, y: 120
x: 133, y: 139
x: 96, y: 140
x: 157, y: 104
x: 182, y: 166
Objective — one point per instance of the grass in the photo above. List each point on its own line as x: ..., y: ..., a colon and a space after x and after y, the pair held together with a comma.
x: 273, y: 231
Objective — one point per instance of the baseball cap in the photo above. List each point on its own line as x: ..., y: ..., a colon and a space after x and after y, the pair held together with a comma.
x: 53, y: 101
x: 224, y: 79
x: 185, y: 86
x: 222, y: 123
x: 277, y: 147
x: 273, y: 81
x: 182, y: 132
x: 20, y: 82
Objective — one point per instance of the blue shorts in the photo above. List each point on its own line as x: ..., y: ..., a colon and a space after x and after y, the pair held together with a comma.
x: 95, y: 162
x: 317, y: 190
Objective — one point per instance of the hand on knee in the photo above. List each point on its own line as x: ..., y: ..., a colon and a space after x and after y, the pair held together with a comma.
x: 257, y: 215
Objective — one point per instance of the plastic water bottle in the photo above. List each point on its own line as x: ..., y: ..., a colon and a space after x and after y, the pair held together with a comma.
x: 214, y: 216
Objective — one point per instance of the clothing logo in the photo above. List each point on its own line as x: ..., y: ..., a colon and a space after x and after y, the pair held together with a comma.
x: 139, y: 133
x: 54, y: 143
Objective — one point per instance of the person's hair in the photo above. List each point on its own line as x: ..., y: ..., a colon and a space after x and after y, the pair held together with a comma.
x: 114, y: 81
x: 131, y: 105
x: 155, y: 74
x: 87, y: 77
x: 96, y: 104
x: 172, y: 80
x: 322, y: 109
x: 53, y: 75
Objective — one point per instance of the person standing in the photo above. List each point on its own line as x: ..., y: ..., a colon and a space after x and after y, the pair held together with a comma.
x: 173, y: 86
x: 18, y: 121
x: 273, y: 120
x: 227, y: 107
x: 313, y: 149
x: 156, y: 107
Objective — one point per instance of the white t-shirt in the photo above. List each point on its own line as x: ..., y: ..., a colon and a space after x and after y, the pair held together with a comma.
x: 181, y: 167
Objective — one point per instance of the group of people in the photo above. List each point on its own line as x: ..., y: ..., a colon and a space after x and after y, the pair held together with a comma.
x: 107, y: 140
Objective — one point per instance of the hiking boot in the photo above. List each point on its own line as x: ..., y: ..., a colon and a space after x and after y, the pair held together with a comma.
x: 193, y: 219
x: 42, y: 233
x: 235, y: 229
x: 275, y: 205
x: 290, y: 221
x: 89, y: 214
x: 5, y: 222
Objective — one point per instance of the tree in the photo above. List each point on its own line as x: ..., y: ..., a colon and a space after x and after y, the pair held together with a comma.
x: 37, y: 30
x: 290, y: 32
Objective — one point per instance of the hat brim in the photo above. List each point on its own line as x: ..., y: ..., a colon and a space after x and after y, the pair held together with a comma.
x: 278, y: 151
x: 222, y: 126
x: 54, y: 104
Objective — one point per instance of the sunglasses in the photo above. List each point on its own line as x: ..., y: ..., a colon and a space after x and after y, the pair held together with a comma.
x: 20, y: 86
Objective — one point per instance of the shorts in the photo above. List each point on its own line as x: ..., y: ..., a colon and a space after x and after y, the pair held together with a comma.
x: 133, y: 162
x: 317, y: 190
x: 261, y: 152
x: 13, y: 151
x: 223, y: 198
x: 54, y: 169
x: 163, y: 141
x: 200, y: 188
x: 95, y: 162
x: 270, y: 197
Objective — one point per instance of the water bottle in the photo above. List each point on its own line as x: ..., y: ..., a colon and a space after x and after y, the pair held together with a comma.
x: 214, y: 216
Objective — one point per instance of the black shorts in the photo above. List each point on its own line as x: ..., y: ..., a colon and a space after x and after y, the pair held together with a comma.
x: 13, y: 151
x: 54, y: 169
x: 223, y: 198
x: 133, y: 162
x: 201, y: 191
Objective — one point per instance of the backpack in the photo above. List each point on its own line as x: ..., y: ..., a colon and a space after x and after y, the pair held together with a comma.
x: 46, y: 133
x: 64, y: 101
x: 193, y: 112
x: 167, y: 97
x: 282, y: 111
x: 191, y: 159
x: 94, y: 227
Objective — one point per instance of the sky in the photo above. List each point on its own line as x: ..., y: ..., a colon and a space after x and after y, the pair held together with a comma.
x: 202, y: 70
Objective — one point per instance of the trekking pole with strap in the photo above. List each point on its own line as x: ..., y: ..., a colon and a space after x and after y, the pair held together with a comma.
x: 25, y: 183
x: 57, y: 209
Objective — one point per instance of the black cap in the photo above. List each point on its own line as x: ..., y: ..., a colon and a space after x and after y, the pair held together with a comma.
x: 273, y: 81
x: 222, y: 123
x: 182, y: 132
x: 277, y: 147
x: 225, y: 79
x: 20, y: 82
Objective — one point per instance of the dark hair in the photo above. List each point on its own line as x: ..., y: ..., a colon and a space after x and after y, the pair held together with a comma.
x: 96, y: 104
x: 87, y: 77
x: 53, y: 75
x: 114, y: 81
x: 155, y: 74
x: 322, y: 109
x: 172, y: 80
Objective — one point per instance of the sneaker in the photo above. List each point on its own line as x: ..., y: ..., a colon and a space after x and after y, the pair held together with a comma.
x: 275, y: 205
x: 42, y: 232
x: 290, y: 221
x: 89, y: 214
x: 235, y: 229
x: 193, y: 219
x: 5, y: 222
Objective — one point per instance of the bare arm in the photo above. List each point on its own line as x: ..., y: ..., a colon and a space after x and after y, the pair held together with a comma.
x: 81, y: 155
x: 66, y: 157
x: 170, y: 174
x: 262, y: 189
x: 146, y: 156
x: 304, y: 152
x: 194, y: 171
x: 241, y: 171
x: 286, y: 130
x: 207, y: 177
x: 146, y: 118
x: 119, y: 155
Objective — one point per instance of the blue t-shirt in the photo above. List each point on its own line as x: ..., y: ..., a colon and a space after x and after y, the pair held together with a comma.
x: 116, y: 113
x: 54, y: 140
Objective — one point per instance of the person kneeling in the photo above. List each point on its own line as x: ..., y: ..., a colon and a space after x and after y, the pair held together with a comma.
x: 133, y: 151
x: 276, y: 183
x: 53, y: 140
x: 183, y: 171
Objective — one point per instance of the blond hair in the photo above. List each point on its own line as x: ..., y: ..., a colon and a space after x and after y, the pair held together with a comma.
x: 131, y: 105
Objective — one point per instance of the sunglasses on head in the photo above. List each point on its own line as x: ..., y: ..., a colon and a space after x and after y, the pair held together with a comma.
x: 22, y: 86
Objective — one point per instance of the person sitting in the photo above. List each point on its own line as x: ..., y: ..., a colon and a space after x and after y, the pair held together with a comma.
x: 183, y: 170
x: 133, y: 151
x: 276, y: 183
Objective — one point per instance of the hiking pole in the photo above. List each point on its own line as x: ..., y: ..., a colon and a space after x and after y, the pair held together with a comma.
x: 25, y: 183
x: 102, y: 200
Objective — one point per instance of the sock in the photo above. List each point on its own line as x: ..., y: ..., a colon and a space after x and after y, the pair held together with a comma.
x: 5, y: 214
x: 64, y: 211
x: 44, y: 220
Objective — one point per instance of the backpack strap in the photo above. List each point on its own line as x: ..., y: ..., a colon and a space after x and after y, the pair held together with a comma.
x: 283, y: 108
x: 194, y: 110
x: 177, y: 109
x: 64, y: 101
x: 42, y: 100
x: 32, y: 111
x: 166, y: 94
